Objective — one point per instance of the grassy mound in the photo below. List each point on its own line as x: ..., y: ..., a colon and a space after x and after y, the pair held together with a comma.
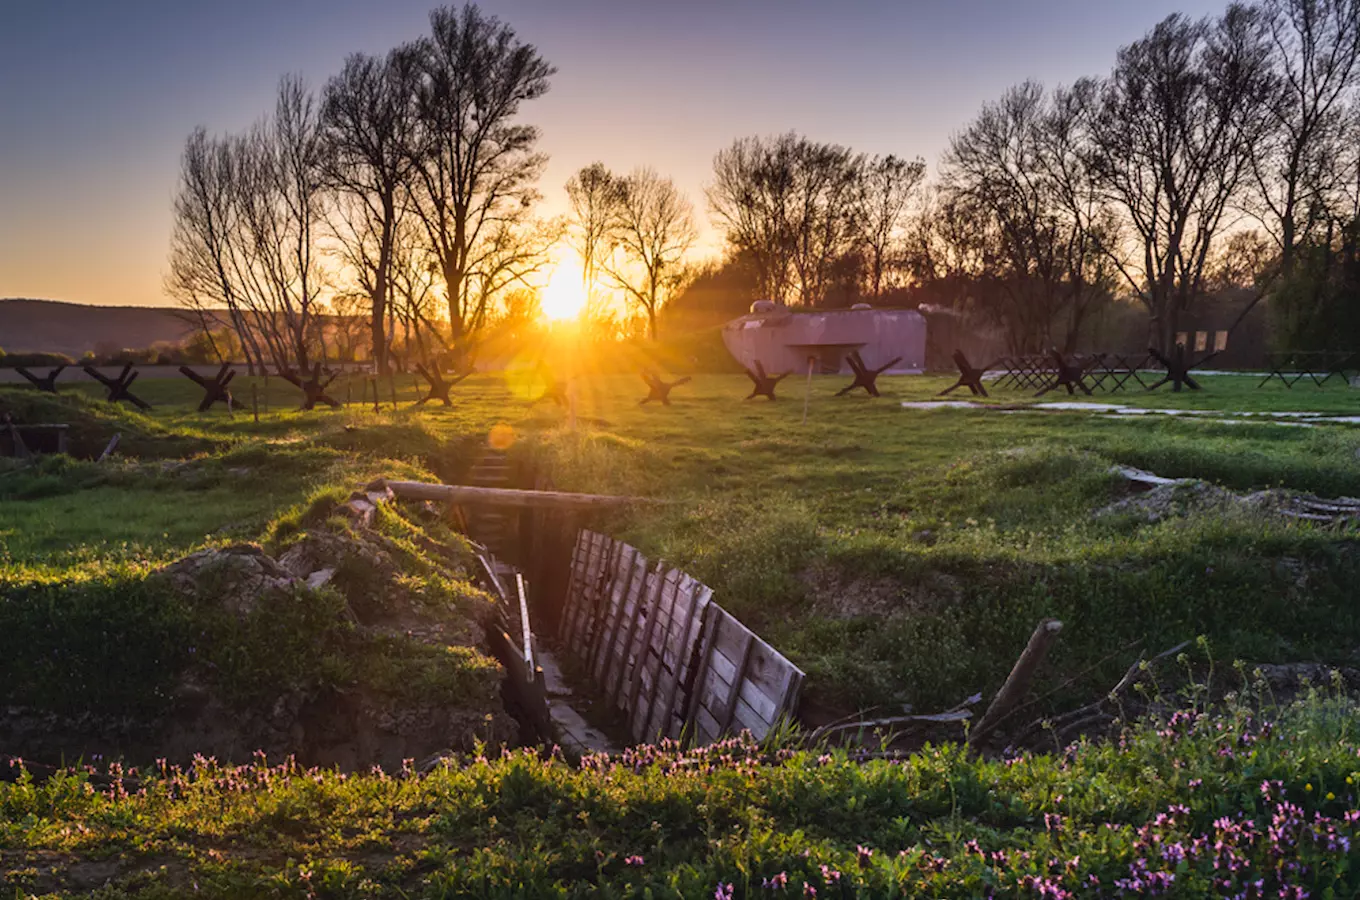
x: 93, y: 422
x: 395, y: 626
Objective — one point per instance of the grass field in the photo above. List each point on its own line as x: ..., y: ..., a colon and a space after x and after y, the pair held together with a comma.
x: 901, y: 556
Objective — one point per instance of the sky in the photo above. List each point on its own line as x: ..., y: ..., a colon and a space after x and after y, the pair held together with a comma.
x: 97, y: 97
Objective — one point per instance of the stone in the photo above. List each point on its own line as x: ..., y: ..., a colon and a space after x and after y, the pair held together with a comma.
x: 320, y: 577
x: 235, y: 576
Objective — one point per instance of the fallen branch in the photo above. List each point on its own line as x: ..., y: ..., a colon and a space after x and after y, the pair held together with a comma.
x: 1065, y: 684
x: 1017, y: 683
x: 859, y: 722
x: 1069, y: 721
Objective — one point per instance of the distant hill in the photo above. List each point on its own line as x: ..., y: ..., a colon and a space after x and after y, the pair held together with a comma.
x: 32, y: 326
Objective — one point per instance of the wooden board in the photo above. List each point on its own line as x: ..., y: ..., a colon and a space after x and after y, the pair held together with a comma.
x: 662, y: 653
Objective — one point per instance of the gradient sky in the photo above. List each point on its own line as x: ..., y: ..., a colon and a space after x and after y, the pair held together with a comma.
x: 97, y: 97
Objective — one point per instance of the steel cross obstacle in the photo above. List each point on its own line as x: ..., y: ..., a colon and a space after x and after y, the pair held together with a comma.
x: 1178, y: 368
x: 1067, y: 373
x: 119, y: 387
x: 764, y: 384
x: 215, y: 389
x: 969, y: 376
x: 660, y: 390
x: 865, y: 377
x: 313, y: 389
x: 439, y: 388
x: 47, y: 383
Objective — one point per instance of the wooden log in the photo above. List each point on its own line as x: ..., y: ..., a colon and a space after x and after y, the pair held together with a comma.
x: 508, y: 497
x: 1017, y: 683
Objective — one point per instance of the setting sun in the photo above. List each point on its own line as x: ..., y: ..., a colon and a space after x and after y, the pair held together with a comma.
x: 564, y: 296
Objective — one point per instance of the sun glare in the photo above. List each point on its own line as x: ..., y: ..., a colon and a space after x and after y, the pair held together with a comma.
x: 564, y: 296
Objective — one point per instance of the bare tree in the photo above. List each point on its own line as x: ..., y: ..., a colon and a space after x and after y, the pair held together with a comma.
x: 1298, y: 164
x: 476, y: 165
x: 823, y: 209
x: 650, y: 230
x: 751, y: 196
x: 204, y: 240
x: 246, y: 219
x: 593, y: 195
x: 1088, y: 228
x: 1178, y: 122
x: 788, y: 203
x: 505, y: 258
x: 887, y: 186
x: 1020, y: 165
x: 415, y: 305
x: 348, y: 312
x: 368, y: 110
x: 282, y: 195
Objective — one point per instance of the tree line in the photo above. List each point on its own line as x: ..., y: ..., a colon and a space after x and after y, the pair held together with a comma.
x: 1217, y: 152
x: 404, y: 193
x: 1223, y: 151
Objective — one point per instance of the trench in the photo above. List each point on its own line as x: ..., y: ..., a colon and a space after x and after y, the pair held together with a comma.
x: 648, y: 653
x: 524, y: 558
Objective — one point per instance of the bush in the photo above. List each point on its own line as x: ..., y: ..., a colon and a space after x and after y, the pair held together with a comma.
x: 34, y: 360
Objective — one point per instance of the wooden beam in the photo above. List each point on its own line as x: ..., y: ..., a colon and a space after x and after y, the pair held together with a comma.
x: 516, y: 499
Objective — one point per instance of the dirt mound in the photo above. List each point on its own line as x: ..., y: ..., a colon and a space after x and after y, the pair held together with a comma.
x: 1156, y: 498
x: 1171, y: 500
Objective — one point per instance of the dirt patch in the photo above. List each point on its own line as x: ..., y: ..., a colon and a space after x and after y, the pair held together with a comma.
x: 837, y: 594
x: 1169, y: 501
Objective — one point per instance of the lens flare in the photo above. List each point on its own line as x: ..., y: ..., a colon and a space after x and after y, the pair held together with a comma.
x: 501, y: 437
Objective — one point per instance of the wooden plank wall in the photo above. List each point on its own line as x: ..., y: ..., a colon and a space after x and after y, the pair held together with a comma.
x: 664, y: 654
